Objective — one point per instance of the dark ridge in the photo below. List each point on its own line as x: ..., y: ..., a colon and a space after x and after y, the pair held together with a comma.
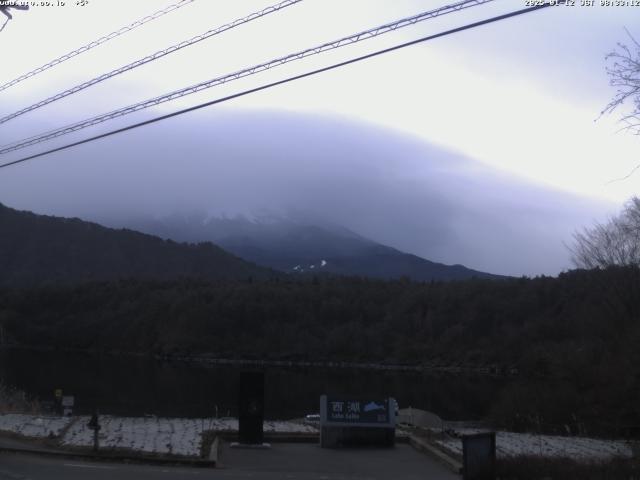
x: 39, y: 249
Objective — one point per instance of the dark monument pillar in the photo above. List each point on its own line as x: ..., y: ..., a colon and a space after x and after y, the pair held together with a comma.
x: 251, y: 408
x: 479, y: 456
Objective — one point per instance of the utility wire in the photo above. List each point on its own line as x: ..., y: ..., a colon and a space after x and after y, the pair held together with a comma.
x: 95, y: 43
x: 152, y: 57
x: 282, y: 82
x: 358, y: 37
x: 628, y: 175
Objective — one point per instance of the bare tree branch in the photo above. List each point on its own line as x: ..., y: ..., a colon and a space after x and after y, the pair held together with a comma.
x: 5, y: 10
x: 624, y: 75
x: 616, y: 242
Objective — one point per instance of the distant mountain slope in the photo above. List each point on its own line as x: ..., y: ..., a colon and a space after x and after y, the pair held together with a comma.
x: 37, y: 249
x: 298, y: 246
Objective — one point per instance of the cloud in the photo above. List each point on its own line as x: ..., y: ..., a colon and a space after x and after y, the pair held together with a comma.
x: 393, y: 188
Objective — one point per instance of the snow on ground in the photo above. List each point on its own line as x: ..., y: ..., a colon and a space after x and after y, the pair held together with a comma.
x: 33, y: 425
x: 288, y: 427
x: 183, y: 436
x: 176, y: 436
x: 510, y: 444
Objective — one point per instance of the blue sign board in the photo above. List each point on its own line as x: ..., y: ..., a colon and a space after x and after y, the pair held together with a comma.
x: 354, y: 412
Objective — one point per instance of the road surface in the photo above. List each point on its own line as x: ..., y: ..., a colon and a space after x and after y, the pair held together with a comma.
x: 282, y: 461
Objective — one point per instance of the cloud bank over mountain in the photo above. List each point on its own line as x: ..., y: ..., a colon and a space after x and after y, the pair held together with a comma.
x: 386, y: 186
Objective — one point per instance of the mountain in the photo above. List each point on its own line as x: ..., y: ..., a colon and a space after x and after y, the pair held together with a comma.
x: 302, y: 246
x: 38, y: 249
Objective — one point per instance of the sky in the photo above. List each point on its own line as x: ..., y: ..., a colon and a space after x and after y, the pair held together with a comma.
x: 483, y: 148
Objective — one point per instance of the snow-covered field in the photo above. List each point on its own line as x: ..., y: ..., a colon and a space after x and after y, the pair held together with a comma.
x: 510, y: 444
x: 33, y: 425
x: 183, y: 436
x: 175, y: 436
x: 287, y: 427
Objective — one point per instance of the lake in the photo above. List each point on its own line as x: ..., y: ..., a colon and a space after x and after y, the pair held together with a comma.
x: 132, y: 385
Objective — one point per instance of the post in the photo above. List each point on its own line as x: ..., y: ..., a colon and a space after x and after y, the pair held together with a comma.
x: 94, y: 424
x: 96, y: 444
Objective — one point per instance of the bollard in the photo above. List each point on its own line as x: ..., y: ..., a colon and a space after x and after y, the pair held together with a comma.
x: 94, y: 424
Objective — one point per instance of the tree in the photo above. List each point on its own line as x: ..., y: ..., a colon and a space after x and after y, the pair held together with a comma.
x: 624, y: 75
x: 616, y: 242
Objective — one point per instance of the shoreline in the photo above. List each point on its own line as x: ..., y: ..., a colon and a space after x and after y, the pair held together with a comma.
x: 498, y: 371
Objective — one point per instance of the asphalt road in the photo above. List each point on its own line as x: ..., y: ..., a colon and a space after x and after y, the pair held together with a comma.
x: 282, y: 461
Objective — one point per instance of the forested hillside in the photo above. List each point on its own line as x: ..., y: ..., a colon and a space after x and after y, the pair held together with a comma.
x: 581, y: 329
x: 38, y: 249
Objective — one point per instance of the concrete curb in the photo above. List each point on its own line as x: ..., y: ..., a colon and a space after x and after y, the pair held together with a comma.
x: 210, y: 462
x: 292, y: 437
x: 423, y: 445
x: 114, y: 457
x: 276, y: 437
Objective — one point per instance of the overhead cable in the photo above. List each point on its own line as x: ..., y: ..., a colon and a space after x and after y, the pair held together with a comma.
x: 150, y: 58
x: 358, y: 37
x: 279, y: 82
x: 95, y: 43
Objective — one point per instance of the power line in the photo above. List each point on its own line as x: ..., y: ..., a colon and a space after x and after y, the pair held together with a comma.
x: 628, y: 175
x: 282, y: 82
x: 358, y: 37
x: 152, y: 57
x: 95, y: 43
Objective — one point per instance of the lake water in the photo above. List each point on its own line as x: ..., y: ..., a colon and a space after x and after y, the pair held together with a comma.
x: 135, y: 386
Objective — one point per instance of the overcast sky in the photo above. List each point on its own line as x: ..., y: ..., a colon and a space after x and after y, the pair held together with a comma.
x: 478, y: 148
